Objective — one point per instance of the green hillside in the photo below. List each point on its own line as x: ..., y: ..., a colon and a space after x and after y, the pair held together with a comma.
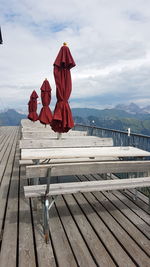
x: 114, y: 119
x: 107, y: 118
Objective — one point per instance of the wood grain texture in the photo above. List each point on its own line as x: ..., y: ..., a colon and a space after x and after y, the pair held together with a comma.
x: 75, y: 187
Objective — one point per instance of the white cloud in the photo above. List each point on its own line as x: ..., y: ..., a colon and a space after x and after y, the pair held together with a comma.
x: 109, y: 41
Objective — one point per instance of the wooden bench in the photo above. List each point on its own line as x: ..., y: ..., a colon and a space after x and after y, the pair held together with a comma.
x: 69, y: 141
x: 47, y: 135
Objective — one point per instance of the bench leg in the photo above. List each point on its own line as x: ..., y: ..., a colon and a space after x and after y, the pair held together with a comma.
x: 46, y: 207
x: 46, y: 220
x: 135, y: 194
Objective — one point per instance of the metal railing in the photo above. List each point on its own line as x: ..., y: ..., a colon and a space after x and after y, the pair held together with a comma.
x: 120, y: 138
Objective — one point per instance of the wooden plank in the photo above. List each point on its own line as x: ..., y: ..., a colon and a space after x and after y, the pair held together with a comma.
x: 5, y: 153
x: 4, y: 187
x: 140, y: 203
x: 87, y: 168
x: 71, y: 160
x: 125, y: 223
x: 94, y: 243
x: 9, y: 242
x: 137, y: 215
x: 26, y: 243
x: 29, y: 123
x: 124, y: 239
x: 61, y: 245
x: 132, y: 216
x: 79, y: 142
x: 81, y: 251
x: 6, y: 144
x: 141, y: 213
x: 45, y: 254
x: 112, y: 245
x: 46, y: 135
x: 69, y: 188
x: 38, y: 129
x: 83, y: 152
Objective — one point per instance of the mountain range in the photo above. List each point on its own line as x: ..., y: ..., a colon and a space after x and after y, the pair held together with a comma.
x: 11, y: 118
x: 133, y: 108
x: 121, y: 117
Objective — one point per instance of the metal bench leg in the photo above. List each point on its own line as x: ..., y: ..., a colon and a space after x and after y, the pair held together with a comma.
x: 46, y: 220
x: 135, y: 194
x: 46, y: 207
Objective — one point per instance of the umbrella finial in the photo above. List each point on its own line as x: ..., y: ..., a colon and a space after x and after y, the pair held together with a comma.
x: 45, y: 79
x: 65, y: 43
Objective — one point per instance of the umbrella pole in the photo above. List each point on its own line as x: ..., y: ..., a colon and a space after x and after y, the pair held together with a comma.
x: 59, y: 135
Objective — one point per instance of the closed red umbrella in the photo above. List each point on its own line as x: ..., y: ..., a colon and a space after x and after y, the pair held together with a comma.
x: 32, y: 107
x: 1, y: 40
x: 62, y: 118
x: 45, y: 116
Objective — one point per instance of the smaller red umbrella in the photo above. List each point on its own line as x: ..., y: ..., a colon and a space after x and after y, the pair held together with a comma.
x: 45, y: 116
x: 32, y: 107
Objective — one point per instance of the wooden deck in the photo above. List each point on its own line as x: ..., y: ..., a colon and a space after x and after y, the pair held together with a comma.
x: 89, y: 229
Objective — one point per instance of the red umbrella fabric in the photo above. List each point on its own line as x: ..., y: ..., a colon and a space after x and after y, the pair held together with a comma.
x: 62, y: 118
x: 1, y: 40
x: 45, y: 116
x: 32, y: 107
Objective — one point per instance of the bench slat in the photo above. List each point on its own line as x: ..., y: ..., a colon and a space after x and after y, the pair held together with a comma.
x: 87, y: 168
x: 48, y: 134
x: 90, y: 186
x: 68, y: 142
x: 85, y: 152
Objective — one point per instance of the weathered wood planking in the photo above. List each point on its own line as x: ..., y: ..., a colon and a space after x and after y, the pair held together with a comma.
x: 26, y: 242
x: 103, y: 232
x: 75, y: 187
x: 29, y: 123
x: 126, y: 241
x: 105, y: 199
x: 133, y: 207
x: 86, y: 254
x: 5, y: 152
x: 6, y: 169
x: 71, y: 160
x: 120, y: 205
x: 94, y: 243
x: 85, y: 152
x: 70, y: 142
x: 45, y: 254
x: 9, y: 241
x: 87, y: 168
x: 46, y: 135
x: 126, y: 211
x: 38, y: 129
x: 6, y: 141
x: 63, y: 250
x: 140, y: 203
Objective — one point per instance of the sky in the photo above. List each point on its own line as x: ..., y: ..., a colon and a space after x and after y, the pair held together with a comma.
x: 109, y: 41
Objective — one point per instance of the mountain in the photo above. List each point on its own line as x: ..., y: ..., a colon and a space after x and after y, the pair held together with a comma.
x: 11, y: 118
x: 133, y: 108
x: 116, y: 118
x: 120, y: 117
